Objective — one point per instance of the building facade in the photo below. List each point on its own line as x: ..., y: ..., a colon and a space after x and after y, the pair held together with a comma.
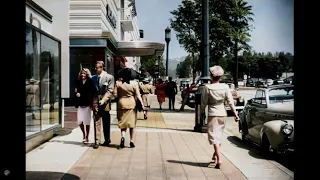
x: 43, y: 76
x: 105, y: 30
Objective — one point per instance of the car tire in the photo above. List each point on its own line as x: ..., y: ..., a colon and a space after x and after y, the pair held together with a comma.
x: 243, y: 128
x: 265, y: 146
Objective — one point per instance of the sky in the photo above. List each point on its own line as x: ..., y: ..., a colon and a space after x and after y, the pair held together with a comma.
x: 273, y: 24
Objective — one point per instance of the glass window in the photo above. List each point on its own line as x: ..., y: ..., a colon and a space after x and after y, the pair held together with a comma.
x: 280, y: 95
x: 49, y: 76
x: 258, y: 97
x: 33, y: 103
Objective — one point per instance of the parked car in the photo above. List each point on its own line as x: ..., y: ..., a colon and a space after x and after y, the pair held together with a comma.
x: 278, y: 82
x: 184, y: 84
x: 267, y: 119
x: 251, y: 82
x: 289, y: 80
x: 238, y: 100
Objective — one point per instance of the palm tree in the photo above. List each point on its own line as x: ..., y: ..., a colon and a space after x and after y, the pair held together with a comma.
x: 240, y: 17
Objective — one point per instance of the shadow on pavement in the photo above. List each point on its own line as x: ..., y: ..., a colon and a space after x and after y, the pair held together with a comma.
x: 191, y: 111
x: 191, y: 163
x: 73, y: 143
x: 63, y: 131
x: 285, y: 160
x: 41, y: 175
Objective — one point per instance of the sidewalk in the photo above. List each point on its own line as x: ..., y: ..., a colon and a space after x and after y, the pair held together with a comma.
x: 164, y: 150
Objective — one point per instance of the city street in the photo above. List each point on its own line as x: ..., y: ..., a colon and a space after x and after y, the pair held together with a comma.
x: 166, y: 148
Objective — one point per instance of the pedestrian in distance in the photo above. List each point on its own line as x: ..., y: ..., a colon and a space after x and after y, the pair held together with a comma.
x: 146, y: 91
x: 161, y: 93
x: 214, y: 96
x: 85, y: 92
x: 105, y: 86
x: 171, y: 90
x: 128, y: 95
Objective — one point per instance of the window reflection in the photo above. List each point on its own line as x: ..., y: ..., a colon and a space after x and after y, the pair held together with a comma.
x: 42, y: 81
x: 49, y: 67
x: 33, y: 105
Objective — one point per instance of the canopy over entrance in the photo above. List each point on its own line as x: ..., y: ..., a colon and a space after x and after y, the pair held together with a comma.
x: 135, y: 48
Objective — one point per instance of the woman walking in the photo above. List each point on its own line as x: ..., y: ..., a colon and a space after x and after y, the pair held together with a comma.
x: 161, y: 93
x: 146, y: 90
x: 215, y: 95
x: 127, y: 94
x: 85, y: 93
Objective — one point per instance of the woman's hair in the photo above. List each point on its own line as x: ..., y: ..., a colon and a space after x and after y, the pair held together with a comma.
x: 87, y: 71
x: 160, y: 80
x: 216, y: 72
x: 125, y: 75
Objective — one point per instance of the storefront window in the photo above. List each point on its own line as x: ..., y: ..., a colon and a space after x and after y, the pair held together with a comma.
x: 33, y: 106
x: 42, y: 81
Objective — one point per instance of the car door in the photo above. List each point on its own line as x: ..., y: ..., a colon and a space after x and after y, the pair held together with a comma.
x: 260, y: 117
x: 253, y: 117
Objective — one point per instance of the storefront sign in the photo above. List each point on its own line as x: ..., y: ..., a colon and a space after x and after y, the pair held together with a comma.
x: 110, y: 17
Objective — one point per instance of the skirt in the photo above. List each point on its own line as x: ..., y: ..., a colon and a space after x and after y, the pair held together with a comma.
x: 127, y: 118
x: 145, y: 99
x: 84, y: 115
x: 216, y: 125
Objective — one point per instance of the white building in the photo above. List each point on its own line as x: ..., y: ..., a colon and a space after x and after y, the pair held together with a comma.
x: 106, y: 30
x: 64, y: 35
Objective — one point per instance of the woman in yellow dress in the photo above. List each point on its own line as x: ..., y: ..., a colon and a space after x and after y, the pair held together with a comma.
x: 146, y: 90
x: 127, y: 94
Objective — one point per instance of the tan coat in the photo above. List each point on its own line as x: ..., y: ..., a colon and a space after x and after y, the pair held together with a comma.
x: 32, y: 95
x: 215, y: 95
x: 146, y: 89
x: 126, y: 94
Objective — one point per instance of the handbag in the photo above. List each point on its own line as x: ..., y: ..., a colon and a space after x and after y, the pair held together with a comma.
x: 138, y: 105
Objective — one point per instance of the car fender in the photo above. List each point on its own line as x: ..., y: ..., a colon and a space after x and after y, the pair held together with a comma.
x: 272, y: 130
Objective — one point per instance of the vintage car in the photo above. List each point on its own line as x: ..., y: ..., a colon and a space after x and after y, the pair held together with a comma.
x: 267, y: 119
x: 238, y: 100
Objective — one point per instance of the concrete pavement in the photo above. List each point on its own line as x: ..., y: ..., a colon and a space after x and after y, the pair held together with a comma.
x: 165, y: 149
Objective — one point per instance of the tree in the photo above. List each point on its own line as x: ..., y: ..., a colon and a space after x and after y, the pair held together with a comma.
x: 187, y: 23
x: 148, y: 65
x: 184, y: 68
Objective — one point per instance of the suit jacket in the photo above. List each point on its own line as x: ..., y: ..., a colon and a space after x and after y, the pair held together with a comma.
x: 105, y: 84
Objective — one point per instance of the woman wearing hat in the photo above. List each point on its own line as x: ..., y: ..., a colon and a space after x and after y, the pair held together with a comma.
x: 215, y: 95
x: 146, y: 90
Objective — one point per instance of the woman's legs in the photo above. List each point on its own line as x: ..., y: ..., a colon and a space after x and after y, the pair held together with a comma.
x: 160, y: 104
x: 83, y: 132
x: 123, y: 134
x: 87, y: 132
x: 132, y: 137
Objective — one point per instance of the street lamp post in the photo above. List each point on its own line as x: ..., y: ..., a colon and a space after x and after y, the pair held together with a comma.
x: 200, y: 121
x: 167, y: 38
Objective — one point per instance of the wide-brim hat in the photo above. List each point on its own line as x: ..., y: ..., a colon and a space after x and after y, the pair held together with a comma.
x: 216, y: 71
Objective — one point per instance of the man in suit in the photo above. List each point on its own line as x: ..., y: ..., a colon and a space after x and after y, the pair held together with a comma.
x: 105, y: 86
x: 172, y: 90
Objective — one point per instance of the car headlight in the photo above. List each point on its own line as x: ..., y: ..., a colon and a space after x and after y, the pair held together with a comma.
x: 287, y: 129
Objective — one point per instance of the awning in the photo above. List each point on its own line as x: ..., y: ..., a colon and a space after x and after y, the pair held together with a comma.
x: 135, y: 48
x: 139, y: 48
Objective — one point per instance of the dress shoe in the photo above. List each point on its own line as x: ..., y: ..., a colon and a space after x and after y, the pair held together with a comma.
x: 132, y: 145
x: 106, y: 143
x: 122, y: 142
x: 95, y: 146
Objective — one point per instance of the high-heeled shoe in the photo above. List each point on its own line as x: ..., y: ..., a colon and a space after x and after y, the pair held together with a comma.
x: 218, y: 165
x: 132, y: 145
x: 145, y: 117
x: 122, y: 142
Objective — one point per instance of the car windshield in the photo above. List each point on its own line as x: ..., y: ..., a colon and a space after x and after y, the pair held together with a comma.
x: 281, y: 94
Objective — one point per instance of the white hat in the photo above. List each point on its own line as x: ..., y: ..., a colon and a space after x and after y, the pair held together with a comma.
x: 216, y: 71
